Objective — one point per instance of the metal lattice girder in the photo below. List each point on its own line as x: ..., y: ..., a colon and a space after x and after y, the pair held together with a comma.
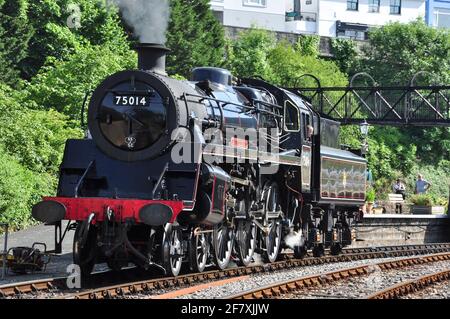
x: 402, y: 105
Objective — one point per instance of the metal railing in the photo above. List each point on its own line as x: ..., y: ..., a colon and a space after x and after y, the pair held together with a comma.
x: 421, y: 105
x: 301, y: 16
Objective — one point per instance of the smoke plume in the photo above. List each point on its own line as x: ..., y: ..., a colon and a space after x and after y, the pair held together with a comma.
x: 149, y: 18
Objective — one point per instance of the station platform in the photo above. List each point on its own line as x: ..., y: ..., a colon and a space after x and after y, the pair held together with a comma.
x: 398, y: 229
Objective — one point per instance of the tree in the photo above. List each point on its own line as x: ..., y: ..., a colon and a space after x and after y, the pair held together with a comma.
x: 195, y: 37
x: 345, y: 54
x: 257, y: 52
x: 248, y: 55
x: 63, y: 26
x: 398, y: 51
x: 62, y: 85
x: 15, y: 35
x: 35, y: 138
x: 19, y: 190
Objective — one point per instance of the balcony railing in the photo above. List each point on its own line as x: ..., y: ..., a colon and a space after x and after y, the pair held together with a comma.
x: 301, y: 16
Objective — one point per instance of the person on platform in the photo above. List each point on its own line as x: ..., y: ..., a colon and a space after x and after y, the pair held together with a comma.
x: 422, y: 186
x: 399, y: 188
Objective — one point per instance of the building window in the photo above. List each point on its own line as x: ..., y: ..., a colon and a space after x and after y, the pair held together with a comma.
x: 374, y: 5
x: 256, y: 3
x: 352, y: 5
x: 396, y: 7
x: 218, y: 15
x: 352, y: 34
x: 442, y: 18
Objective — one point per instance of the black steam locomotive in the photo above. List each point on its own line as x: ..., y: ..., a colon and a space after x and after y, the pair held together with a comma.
x: 203, y: 172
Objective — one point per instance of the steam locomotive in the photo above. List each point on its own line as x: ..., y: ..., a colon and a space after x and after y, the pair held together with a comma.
x: 203, y: 172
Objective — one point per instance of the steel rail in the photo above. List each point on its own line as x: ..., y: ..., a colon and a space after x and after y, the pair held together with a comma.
x: 411, y: 286
x: 118, y: 291
x: 19, y: 289
x: 34, y: 286
x: 298, y: 284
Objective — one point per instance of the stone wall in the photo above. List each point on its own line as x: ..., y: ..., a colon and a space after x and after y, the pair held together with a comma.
x: 402, y: 230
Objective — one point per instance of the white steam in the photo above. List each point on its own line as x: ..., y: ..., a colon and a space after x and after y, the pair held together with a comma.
x: 257, y: 260
x: 149, y: 18
x: 294, y: 239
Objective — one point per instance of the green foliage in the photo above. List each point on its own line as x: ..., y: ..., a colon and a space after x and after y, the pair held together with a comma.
x: 15, y: 34
x: 308, y: 45
x: 395, y: 53
x: 249, y: 54
x: 285, y: 63
x: 345, y: 53
x: 433, y: 143
x: 437, y: 175
x: 428, y: 200
x: 62, y: 85
x: 256, y: 52
x: 349, y: 135
x: 195, y: 37
x: 35, y: 138
x: 421, y: 200
x: 19, y: 190
x: 99, y: 25
x: 398, y: 51
x: 370, y: 195
x: 390, y: 151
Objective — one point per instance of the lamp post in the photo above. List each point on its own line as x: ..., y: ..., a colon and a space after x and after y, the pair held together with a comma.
x: 364, y: 129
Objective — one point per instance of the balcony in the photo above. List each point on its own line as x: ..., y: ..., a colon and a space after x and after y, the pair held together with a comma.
x: 301, y: 22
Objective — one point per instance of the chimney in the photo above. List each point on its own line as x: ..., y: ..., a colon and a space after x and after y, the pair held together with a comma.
x: 152, y: 57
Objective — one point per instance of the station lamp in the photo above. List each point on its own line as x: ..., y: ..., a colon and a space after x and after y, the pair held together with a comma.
x: 364, y: 128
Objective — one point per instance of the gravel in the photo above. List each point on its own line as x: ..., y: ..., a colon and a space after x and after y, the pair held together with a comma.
x: 360, y: 287
x: 375, y: 279
x: 440, y: 290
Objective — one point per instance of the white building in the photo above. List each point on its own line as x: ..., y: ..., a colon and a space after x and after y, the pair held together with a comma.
x: 342, y: 18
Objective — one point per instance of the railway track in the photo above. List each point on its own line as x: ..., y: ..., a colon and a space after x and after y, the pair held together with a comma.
x: 294, y: 286
x: 59, y: 284
x: 128, y: 286
x: 411, y: 286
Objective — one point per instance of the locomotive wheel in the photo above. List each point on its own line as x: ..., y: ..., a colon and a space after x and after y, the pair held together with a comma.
x: 223, y: 240
x: 272, y: 239
x: 172, y: 250
x: 318, y: 251
x: 245, y: 241
x: 336, y: 249
x: 198, y: 251
x: 84, y: 255
x: 300, y: 252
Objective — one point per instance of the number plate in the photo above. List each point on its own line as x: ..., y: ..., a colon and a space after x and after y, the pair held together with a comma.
x: 131, y: 100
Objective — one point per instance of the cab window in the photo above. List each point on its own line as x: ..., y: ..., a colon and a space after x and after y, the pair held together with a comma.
x: 291, y: 117
x: 308, y: 130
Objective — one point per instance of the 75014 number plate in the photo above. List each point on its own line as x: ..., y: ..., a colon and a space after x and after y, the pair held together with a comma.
x: 131, y: 100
